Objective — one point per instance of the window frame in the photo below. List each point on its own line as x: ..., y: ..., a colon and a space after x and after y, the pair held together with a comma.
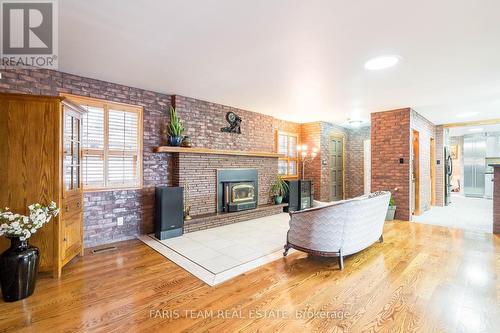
x: 106, y: 152
x: 287, y: 158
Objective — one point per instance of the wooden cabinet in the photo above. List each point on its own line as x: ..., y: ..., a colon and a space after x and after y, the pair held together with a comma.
x: 41, y: 156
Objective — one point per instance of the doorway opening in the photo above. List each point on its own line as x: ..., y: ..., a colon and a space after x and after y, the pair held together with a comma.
x: 367, y: 166
x: 468, y: 150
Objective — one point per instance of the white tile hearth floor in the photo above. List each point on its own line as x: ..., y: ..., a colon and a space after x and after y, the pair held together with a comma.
x: 219, y: 254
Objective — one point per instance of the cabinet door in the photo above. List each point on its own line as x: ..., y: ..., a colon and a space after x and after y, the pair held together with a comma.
x: 72, y: 233
x: 71, y: 152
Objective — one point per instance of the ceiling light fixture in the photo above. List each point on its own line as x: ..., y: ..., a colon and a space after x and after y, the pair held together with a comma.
x: 382, y: 62
x: 467, y: 114
x: 477, y: 129
x: 355, y: 123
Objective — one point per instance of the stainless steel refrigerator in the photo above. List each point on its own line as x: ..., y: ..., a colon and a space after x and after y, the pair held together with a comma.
x: 474, y: 165
x: 448, y: 171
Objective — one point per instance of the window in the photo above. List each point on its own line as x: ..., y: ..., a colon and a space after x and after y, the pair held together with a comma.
x: 287, y: 146
x: 111, y: 144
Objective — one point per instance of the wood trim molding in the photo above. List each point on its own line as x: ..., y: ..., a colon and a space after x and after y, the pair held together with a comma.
x: 107, y: 106
x: 473, y: 123
x: 184, y: 150
x: 296, y: 159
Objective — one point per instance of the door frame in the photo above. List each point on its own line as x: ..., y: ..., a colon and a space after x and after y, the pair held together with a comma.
x: 342, y: 136
x: 416, y: 170
x: 367, y: 166
x: 433, y: 171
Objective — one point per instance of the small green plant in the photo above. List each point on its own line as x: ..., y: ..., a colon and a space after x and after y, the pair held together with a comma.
x: 392, y: 202
x: 279, y: 187
x: 175, y: 127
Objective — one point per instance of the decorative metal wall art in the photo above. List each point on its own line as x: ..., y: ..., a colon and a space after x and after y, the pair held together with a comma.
x: 234, y: 123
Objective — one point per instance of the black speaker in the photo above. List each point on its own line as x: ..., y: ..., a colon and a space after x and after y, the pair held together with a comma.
x: 293, y: 196
x: 169, y: 212
x: 305, y: 194
x: 299, y: 195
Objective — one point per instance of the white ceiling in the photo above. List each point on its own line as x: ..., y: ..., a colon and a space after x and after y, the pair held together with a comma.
x: 294, y: 59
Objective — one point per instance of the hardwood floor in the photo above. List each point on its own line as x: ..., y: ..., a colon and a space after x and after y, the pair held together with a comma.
x: 422, y: 278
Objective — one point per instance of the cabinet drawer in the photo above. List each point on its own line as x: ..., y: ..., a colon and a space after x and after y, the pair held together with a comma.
x: 72, y: 206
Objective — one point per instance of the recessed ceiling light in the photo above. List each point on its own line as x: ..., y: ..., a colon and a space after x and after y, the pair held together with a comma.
x: 467, y: 114
x: 477, y: 129
x: 382, y: 62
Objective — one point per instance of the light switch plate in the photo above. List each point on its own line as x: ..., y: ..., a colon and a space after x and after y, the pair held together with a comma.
x: 119, y: 221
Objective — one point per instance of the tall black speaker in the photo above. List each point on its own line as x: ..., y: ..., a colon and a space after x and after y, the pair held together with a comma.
x: 299, y: 195
x: 293, y: 196
x: 305, y: 194
x: 169, y: 208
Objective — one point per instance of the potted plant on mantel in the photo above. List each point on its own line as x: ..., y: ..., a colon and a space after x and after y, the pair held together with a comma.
x: 175, y: 128
x: 279, y: 189
x: 19, y: 263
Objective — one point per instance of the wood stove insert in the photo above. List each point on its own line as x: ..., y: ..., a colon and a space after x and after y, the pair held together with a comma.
x: 239, y: 196
x: 237, y: 189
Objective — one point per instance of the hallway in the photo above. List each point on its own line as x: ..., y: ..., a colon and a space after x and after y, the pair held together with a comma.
x: 474, y: 214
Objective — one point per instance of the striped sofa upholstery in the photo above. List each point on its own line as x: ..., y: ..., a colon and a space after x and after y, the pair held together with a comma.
x: 339, y: 228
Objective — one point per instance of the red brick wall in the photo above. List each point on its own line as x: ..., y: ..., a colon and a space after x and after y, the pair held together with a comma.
x: 496, y: 202
x: 310, y: 135
x: 203, y: 121
x: 390, y: 141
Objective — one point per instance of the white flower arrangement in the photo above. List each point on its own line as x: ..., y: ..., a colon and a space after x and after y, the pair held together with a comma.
x: 16, y: 225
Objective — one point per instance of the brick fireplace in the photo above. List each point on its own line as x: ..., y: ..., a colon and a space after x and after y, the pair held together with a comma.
x: 198, y: 174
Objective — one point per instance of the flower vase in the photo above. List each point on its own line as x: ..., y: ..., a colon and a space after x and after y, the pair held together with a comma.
x: 18, y: 270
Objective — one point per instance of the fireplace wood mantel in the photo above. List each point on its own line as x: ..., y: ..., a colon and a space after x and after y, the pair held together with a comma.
x: 184, y: 150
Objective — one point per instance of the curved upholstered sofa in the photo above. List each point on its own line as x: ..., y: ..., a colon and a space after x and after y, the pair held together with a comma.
x: 341, y: 228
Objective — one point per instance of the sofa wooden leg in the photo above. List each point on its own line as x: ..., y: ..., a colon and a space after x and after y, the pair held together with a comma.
x: 381, y: 239
x: 286, y: 250
x: 341, y: 260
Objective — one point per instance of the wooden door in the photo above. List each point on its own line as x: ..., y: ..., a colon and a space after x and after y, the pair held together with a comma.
x: 72, y: 211
x: 433, y: 172
x: 416, y: 173
x: 336, y: 167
